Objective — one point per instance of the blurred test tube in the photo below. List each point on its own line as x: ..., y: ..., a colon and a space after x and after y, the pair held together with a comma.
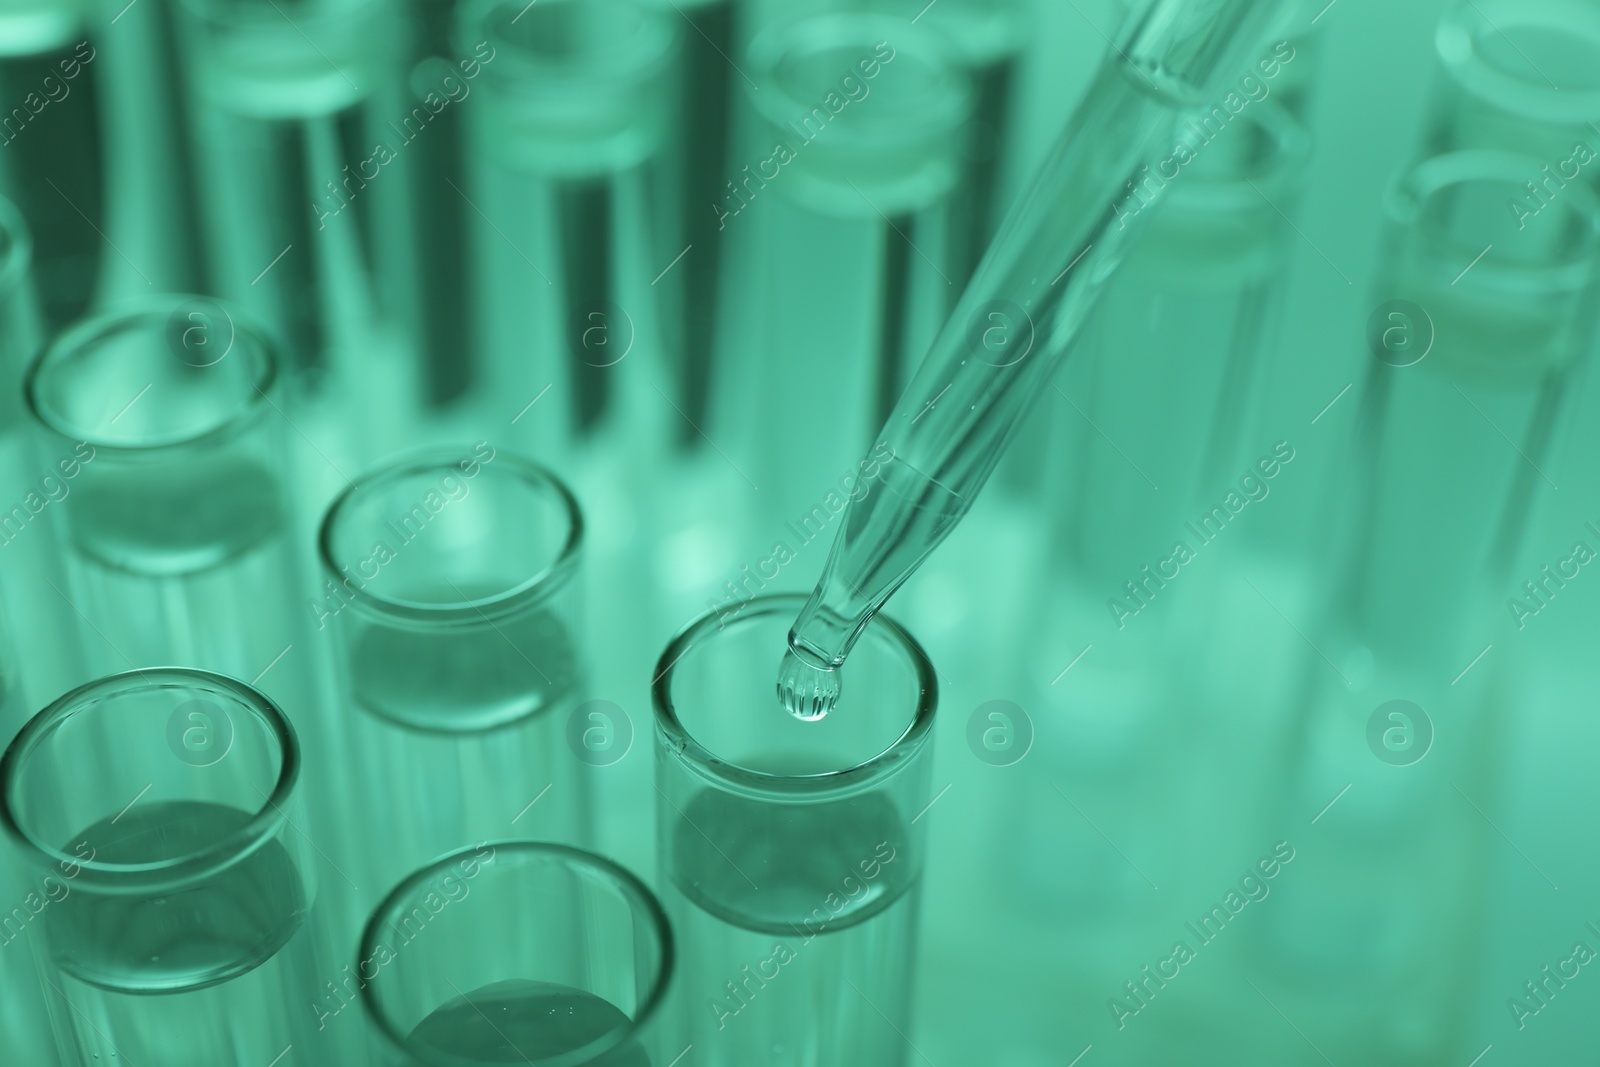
x: 1474, y: 351
x: 449, y: 585
x: 50, y: 127
x: 844, y: 218
x: 560, y: 155
x: 1518, y: 75
x: 300, y: 109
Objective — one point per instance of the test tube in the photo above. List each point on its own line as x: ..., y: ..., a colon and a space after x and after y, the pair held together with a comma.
x: 1465, y: 356
x: 574, y: 112
x: 791, y: 852
x: 301, y: 108
x: 451, y: 585
x: 1516, y: 78
x: 179, y: 925
x: 708, y: 86
x: 845, y: 216
x: 987, y: 36
x: 21, y: 320
x: 160, y: 427
x: 1205, y: 282
x: 517, y: 952
x: 24, y: 1016
x: 54, y: 168
x: 444, y: 328
x: 164, y: 419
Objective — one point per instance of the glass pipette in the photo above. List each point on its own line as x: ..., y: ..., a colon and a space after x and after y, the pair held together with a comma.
x: 1017, y: 320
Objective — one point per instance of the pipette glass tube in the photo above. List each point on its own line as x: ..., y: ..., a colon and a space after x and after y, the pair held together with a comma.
x: 161, y: 810
x: 517, y: 952
x: 53, y: 168
x: 792, y: 852
x: 1046, y: 268
x: 300, y: 108
x: 576, y: 104
x: 1521, y: 76
x: 450, y: 583
x: 845, y: 215
x: 1471, y: 355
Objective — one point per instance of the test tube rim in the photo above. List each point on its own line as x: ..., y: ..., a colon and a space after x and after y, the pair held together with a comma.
x: 639, y: 896
x: 94, y: 328
x: 1480, y: 78
x: 650, y: 47
x: 811, y: 29
x: 187, y: 868
x: 1414, y: 185
x: 529, y: 592
x: 765, y: 784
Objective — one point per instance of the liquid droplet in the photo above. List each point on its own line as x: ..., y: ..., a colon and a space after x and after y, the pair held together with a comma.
x: 806, y: 692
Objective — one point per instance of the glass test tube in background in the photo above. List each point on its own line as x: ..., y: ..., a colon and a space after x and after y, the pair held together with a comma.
x: 449, y: 353
x: 1194, y: 310
x: 300, y: 107
x: 179, y: 925
x: 842, y: 214
x: 1429, y: 469
x: 53, y: 167
x: 450, y: 582
x: 987, y: 36
x: 708, y: 87
x: 790, y: 852
x: 575, y: 107
x: 171, y: 500
x: 512, y: 951
x: 1518, y: 75
x: 24, y: 1017
x: 27, y: 564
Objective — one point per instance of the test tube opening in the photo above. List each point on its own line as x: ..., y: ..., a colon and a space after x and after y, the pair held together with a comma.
x: 451, y: 558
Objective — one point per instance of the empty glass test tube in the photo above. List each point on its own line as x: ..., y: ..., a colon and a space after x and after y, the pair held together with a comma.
x: 161, y: 419
x: 1518, y: 77
x: 450, y: 582
x: 576, y: 104
x: 708, y: 89
x: 1461, y: 356
x: 517, y: 952
x: 54, y: 164
x: 28, y: 565
x: 179, y: 926
x: 842, y: 215
x: 24, y: 1016
x: 987, y: 36
x: 791, y: 852
x: 1206, y: 282
x: 300, y: 106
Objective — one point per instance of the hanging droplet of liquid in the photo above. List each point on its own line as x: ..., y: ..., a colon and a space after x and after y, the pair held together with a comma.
x: 808, y: 693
